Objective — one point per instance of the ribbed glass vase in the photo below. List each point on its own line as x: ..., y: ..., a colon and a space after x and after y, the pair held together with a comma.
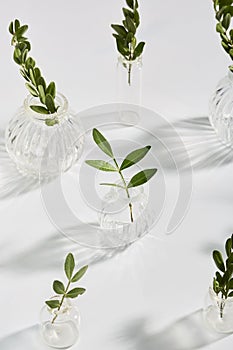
x: 221, y: 109
x: 40, y: 150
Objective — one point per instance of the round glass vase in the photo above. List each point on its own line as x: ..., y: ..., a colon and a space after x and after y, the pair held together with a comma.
x: 221, y: 109
x: 60, y: 329
x: 125, y: 219
x: 129, y: 87
x: 40, y: 150
x: 218, y: 312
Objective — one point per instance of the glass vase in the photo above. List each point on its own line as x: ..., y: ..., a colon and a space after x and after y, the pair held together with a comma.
x: 60, y: 329
x: 125, y: 219
x: 221, y: 109
x: 40, y: 150
x: 129, y: 87
x: 218, y: 312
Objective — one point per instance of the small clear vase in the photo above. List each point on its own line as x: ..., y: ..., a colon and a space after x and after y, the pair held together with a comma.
x: 40, y: 150
x: 218, y: 312
x: 129, y: 87
x: 60, y: 329
x: 221, y: 109
x: 125, y: 219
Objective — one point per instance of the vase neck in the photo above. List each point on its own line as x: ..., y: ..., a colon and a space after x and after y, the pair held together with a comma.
x: 60, y: 101
x: 137, y: 62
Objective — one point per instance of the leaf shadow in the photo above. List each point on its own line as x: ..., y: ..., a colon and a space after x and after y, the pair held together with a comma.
x: 12, y: 183
x: 187, y: 333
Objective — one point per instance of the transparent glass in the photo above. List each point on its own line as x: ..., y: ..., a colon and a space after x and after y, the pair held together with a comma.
x: 221, y: 109
x: 60, y: 329
x: 129, y: 86
x: 116, y: 214
x: 218, y: 312
x: 40, y: 150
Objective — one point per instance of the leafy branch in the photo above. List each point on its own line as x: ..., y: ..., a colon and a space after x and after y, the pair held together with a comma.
x: 131, y: 159
x: 125, y: 35
x: 224, y: 13
x: 223, y: 281
x: 66, y: 292
x: 35, y: 83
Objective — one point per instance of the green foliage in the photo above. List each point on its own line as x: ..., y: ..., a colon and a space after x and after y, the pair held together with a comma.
x: 223, y: 281
x: 131, y: 159
x: 35, y: 83
x: 224, y: 13
x: 125, y: 34
x: 59, y: 287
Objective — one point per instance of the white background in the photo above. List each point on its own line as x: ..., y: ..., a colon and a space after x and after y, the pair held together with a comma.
x: 147, y: 296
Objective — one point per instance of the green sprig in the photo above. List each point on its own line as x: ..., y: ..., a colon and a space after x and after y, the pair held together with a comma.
x: 223, y: 14
x: 35, y: 83
x: 132, y: 158
x: 66, y: 292
x: 125, y: 35
x: 223, y: 281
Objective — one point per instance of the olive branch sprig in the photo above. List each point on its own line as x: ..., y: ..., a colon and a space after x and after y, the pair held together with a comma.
x: 132, y: 158
x: 126, y: 35
x: 35, y: 83
x: 60, y: 289
x: 223, y: 14
x: 223, y: 281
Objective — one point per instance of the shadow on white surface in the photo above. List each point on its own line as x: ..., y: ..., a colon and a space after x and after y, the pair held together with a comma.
x: 12, y: 183
x: 188, y: 333
x: 50, y: 252
x: 28, y: 338
x: 205, y: 149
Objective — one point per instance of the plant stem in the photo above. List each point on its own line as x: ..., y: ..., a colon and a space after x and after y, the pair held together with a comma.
x: 62, y: 299
x: 129, y: 73
x: 127, y: 191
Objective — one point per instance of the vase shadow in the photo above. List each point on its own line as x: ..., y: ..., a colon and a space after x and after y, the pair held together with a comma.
x: 12, y: 183
x: 187, y: 333
x: 204, y: 148
x: 51, y: 251
x: 28, y: 338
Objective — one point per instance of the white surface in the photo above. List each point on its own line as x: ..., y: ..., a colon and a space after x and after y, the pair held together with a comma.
x: 146, y: 296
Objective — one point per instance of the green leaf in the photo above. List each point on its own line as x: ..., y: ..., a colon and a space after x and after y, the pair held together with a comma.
x: 230, y: 284
x: 217, y: 256
x: 225, y: 46
x: 130, y: 3
x: 224, y: 2
x: 32, y: 77
x: 31, y: 89
x: 24, y: 56
x: 130, y: 25
x: 41, y: 94
x: 134, y: 157
x: 22, y: 72
x: 42, y: 82
x: 141, y: 177
x: 11, y: 28
x: 78, y: 275
x: 39, y: 109
x: 136, y: 18
x: 124, y: 51
x: 51, y: 122
x: 20, y: 31
x: 51, y: 89
x: 49, y: 101
x: 138, y: 50
x: 230, y: 294
x: 219, y: 28
x: 53, y: 304
x: 216, y: 286
x: 219, y: 278
x: 69, y: 265
x: 136, y: 4
x: 102, y: 143
x: 17, y: 24
x: 30, y: 63
x: 120, y: 30
x: 58, y: 287
x: 101, y: 165
x: 37, y: 75
x: 228, y: 246
x: 127, y: 12
x: 73, y: 293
